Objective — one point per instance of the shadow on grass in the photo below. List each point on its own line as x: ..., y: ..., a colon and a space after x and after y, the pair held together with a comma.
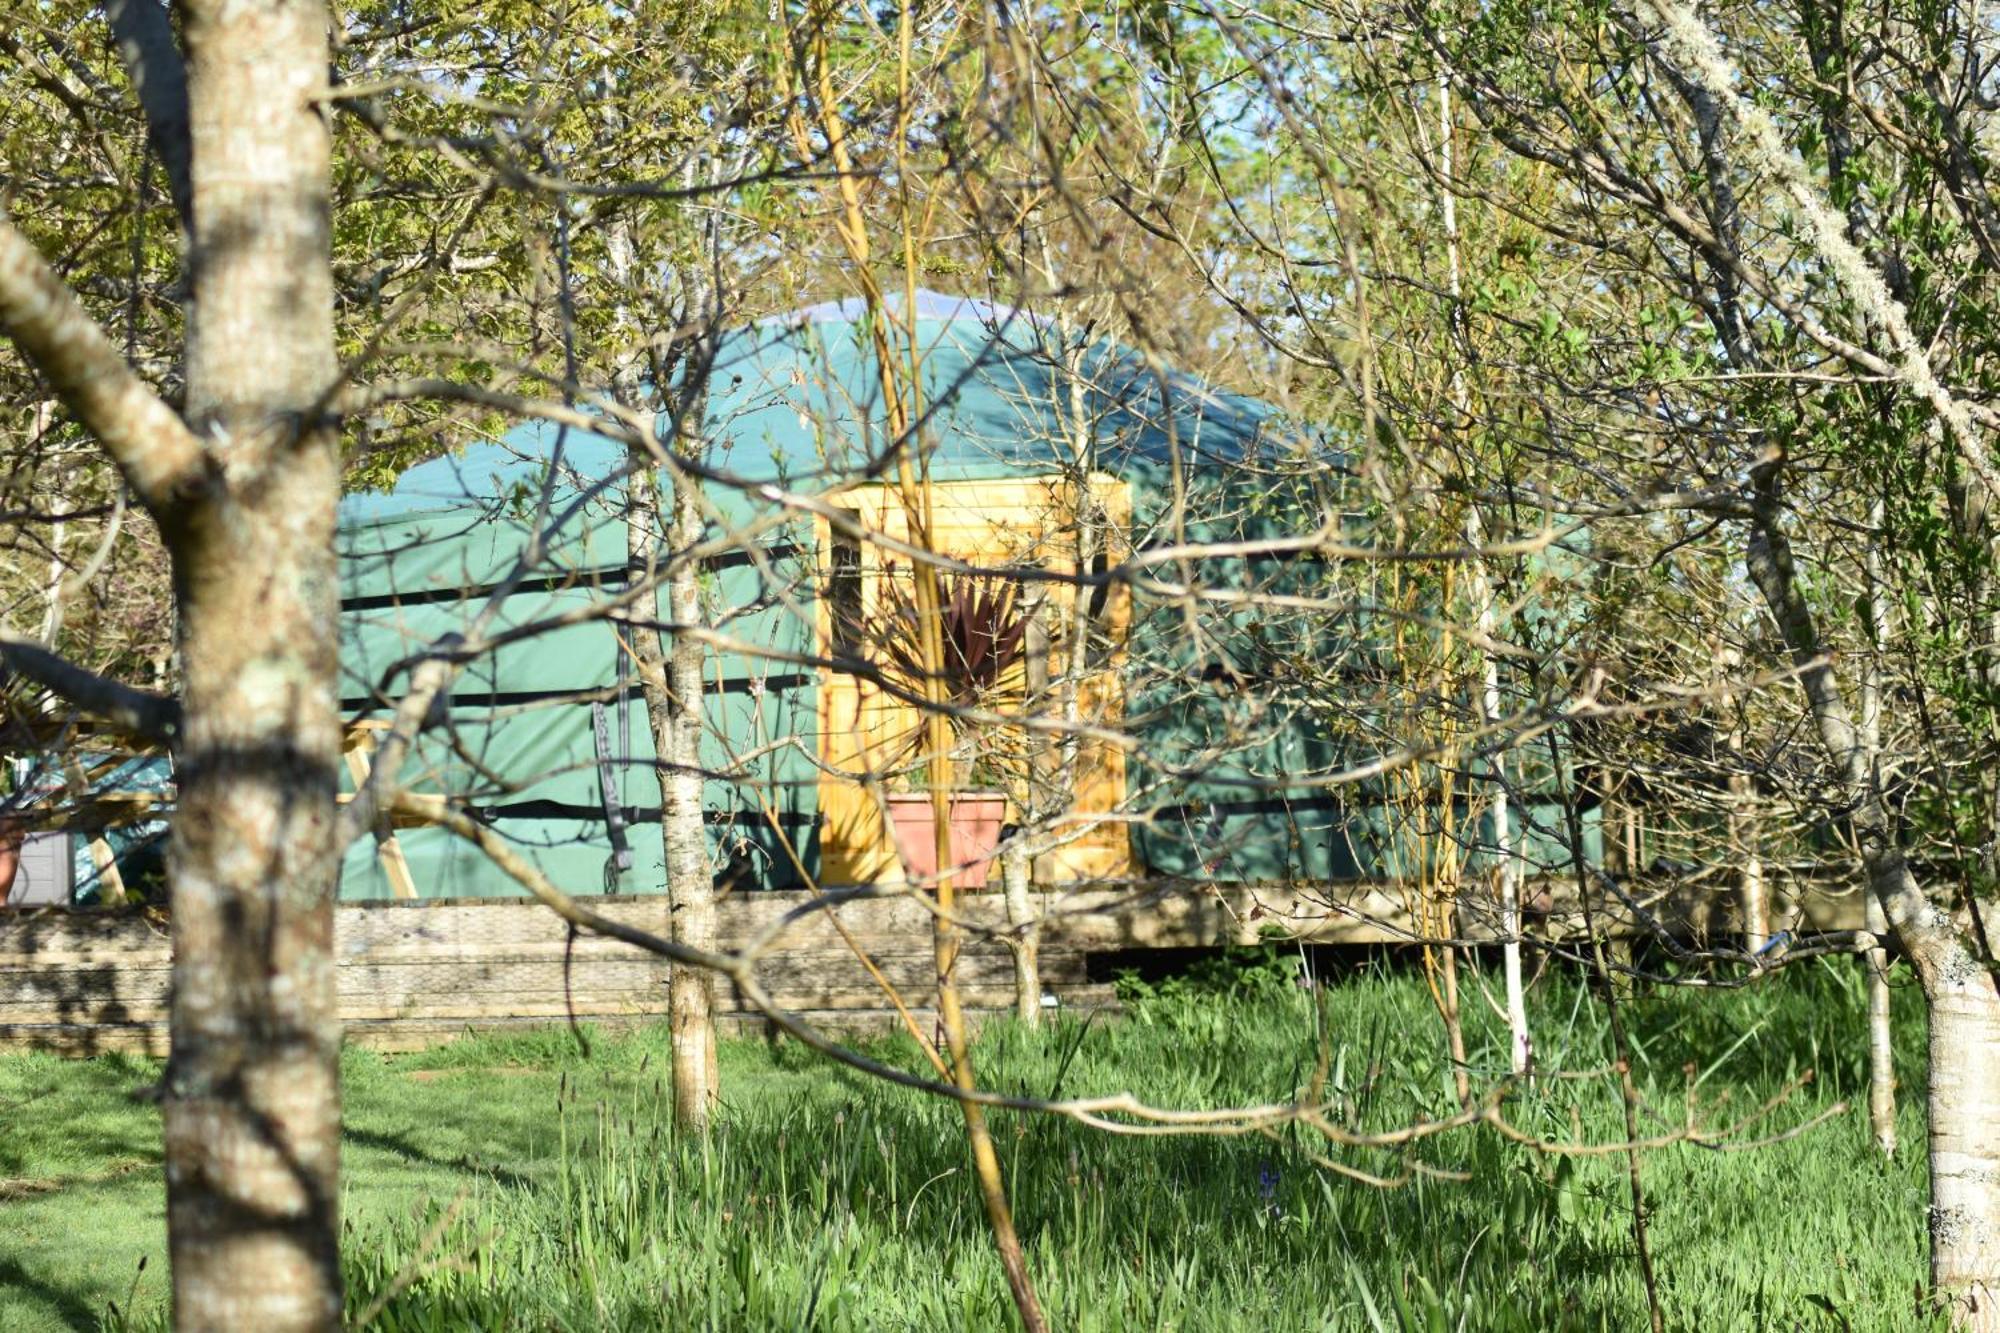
x: 407, y: 1149
x: 68, y: 1306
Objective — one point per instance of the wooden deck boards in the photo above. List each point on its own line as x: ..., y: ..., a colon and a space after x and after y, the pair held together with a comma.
x: 414, y: 973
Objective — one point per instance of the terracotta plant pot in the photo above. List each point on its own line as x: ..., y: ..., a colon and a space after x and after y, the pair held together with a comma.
x: 976, y: 818
x: 13, y: 835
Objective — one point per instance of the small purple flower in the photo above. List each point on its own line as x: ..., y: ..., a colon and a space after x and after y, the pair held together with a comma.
x: 1267, y: 1189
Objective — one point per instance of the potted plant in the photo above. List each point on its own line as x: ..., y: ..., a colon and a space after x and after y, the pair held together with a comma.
x: 984, y: 633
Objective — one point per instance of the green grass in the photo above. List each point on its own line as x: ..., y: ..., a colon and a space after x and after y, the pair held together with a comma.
x: 522, y: 1183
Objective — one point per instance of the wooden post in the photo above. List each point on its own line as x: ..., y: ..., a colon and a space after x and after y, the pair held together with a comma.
x: 111, y: 884
x: 360, y: 744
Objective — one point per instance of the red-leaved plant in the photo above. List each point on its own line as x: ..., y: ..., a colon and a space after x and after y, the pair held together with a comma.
x: 984, y: 633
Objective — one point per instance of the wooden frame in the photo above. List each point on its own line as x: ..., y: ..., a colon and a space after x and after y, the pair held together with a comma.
x: 990, y: 522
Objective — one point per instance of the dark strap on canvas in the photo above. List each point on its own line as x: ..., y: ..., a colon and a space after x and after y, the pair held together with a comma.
x: 614, y: 808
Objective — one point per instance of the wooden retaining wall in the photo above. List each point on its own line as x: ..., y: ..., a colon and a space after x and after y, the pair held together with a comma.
x: 415, y: 973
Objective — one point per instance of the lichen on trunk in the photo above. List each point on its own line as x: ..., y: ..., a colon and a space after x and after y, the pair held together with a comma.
x: 1964, y: 1097
x: 251, y: 1094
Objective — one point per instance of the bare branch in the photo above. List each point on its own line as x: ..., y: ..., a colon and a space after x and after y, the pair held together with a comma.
x: 153, y: 63
x: 147, y: 439
x: 156, y: 717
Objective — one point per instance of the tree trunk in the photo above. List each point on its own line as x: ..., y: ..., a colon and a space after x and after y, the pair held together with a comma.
x: 1964, y: 1086
x: 690, y: 881
x: 1756, y: 897
x: 1520, y: 1044
x: 1753, y: 890
x: 1454, y: 1016
x: 1026, y: 939
x: 1964, y: 1097
x: 251, y: 1094
x: 1881, y: 1046
x: 670, y: 681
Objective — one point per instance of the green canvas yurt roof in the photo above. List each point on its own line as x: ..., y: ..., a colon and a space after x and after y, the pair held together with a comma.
x: 800, y: 394
x: 798, y: 397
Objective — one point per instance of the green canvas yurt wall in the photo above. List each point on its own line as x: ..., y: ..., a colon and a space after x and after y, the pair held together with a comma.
x: 520, y: 734
x: 794, y: 409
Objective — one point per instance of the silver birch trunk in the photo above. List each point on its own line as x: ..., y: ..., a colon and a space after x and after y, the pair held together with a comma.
x: 1756, y: 896
x: 1753, y: 889
x: 1881, y: 1044
x: 669, y: 666
x: 690, y: 879
x: 671, y: 684
x: 1964, y: 1097
x: 52, y: 614
x: 670, y: 675
x: 1016, y: 874
x: 1520, y: 1044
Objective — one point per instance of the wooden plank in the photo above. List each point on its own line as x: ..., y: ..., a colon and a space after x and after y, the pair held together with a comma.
x: 540, y: 984
x: 1085, y: 920
x: 360, y: 757
x: 430, y: 967
x: 94, y: 814
x: 406, y: 1032
x: 79, y: 985
x: 111, y: 883
x: 41, y: 933
x: 520, y: 980
x: 86, y: 958
x: 87, y: 1038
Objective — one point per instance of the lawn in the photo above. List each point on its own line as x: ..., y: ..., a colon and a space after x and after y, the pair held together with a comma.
x: 530, y: 1183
